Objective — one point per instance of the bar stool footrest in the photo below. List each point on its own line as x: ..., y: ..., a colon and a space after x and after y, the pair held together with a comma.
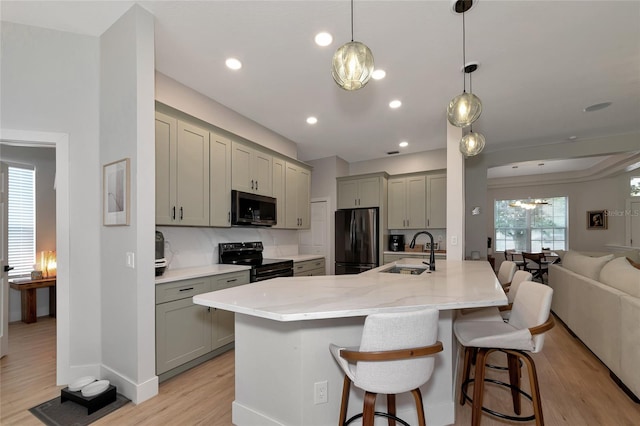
x: 381, y: 414
x: 496, y: 413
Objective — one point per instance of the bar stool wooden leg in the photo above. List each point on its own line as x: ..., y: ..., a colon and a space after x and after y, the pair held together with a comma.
x: 391, y: 408
x: 368, y: 413
x: 346, y: 388
x: 535, y: 389
x: 478, y: 387
x: 514, y: 380
x: 466, y: 369
x: 417, y: 396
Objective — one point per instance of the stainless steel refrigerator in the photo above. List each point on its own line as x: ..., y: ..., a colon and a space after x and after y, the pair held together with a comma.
x: 356, y: 240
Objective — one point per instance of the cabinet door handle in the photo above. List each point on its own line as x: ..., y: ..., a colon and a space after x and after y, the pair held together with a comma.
x: 181, y: 213
x: 256, y: 185
x: 232, y: 281
x: 407, y: 222
x: 173, y: 215
x: 228, y: 217
x: 209, y: 309
x: 252, y: 184
x: 186, y: 289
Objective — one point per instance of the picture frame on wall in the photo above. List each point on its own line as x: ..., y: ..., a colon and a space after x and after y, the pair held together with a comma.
x: 597, y: 219
x: 115, y: 193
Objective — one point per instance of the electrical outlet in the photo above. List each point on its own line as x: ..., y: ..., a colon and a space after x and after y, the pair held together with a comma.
x: 131, y: 260
x: 320, y: 392
x: 454, y: 240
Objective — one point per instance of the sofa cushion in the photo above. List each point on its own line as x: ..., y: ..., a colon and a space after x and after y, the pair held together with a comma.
x: 620, y: 274
x: 587, y: 266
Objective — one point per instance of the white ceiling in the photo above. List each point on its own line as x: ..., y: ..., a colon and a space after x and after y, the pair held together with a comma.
x: 541, y: 64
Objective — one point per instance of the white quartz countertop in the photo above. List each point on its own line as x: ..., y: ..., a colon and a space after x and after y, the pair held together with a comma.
x: 171, y: 275
x: 455, y: 284
x: 301, y: 257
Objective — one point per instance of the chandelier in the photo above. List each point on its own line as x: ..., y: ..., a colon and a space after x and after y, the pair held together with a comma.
x: 528, y: 204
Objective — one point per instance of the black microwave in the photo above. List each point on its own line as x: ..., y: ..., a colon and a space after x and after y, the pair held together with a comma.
x: 252, y: 209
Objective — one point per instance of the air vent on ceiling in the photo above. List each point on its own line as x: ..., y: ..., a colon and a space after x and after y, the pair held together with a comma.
x: 393, y: 152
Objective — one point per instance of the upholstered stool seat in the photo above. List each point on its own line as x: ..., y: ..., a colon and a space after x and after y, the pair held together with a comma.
x: 395, y: 356
x: 522, y: 333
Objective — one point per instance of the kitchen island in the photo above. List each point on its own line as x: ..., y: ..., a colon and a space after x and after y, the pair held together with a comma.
x: 284, y: 327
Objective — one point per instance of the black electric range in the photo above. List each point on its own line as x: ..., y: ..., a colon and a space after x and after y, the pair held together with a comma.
x: 250, y: 254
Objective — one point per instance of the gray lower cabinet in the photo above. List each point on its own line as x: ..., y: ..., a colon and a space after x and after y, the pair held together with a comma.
x: 307, y: 268
x: 186, y: 332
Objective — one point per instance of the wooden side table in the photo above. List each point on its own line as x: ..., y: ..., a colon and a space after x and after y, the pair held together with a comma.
x: 28, y: 297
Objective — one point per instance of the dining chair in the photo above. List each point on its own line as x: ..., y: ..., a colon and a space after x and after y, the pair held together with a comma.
x: 510, y: 255
x: 537, y: 264
x: 395, y: 356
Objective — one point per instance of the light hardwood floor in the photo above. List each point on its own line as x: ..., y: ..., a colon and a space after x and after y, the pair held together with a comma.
x: 575, y: 386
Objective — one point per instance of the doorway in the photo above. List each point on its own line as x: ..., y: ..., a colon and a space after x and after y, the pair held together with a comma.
x: 59, y: 142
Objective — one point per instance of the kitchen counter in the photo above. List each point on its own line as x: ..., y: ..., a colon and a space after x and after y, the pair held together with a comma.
x: 301, y: 257
x: 171, y: 275
x: 284, y: 326
x: 454, y: 285
x: 422, y: 253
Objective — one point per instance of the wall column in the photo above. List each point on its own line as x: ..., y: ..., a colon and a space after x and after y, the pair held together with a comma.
x: 455, y: 194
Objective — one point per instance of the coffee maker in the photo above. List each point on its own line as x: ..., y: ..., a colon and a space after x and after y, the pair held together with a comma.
x: 396, y: 242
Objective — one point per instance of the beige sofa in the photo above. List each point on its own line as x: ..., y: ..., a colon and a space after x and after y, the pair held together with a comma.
x: 598, y: 298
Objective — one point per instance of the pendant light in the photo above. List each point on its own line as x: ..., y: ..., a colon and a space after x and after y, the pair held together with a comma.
x: 465, y: 108
x: 352, y: 63
x: 472, y: 143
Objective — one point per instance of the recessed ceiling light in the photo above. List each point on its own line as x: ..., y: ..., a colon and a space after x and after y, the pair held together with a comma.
x: 596, y: 107
x: 572, y: 138
x: 323, y: 39
x: 312, y: 120
x: 403, y: 144
x: 378, y: 74
x: 395, y: 104
x: 233, y: 63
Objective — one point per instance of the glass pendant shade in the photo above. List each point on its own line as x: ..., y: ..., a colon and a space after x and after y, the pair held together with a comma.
x: 464, y: 109
x: 471, y: 144
x: 352, y: 65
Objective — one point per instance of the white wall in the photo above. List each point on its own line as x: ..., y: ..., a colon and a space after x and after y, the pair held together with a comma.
x: 44, y: 162
x: 127, y: 131
x: 399, y: 164
x: 478, y: 228
x: 602, y: 194
x: 187, y: 247
x: 49, y: 83
x: 173, y: 93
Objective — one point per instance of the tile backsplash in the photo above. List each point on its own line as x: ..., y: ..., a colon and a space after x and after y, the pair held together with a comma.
x: 186, y: 247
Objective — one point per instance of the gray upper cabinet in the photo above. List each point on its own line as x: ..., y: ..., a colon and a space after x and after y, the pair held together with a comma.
x: 407, y: 202
x: 219, y: 181
x: 251, y: 170
x: 182, y: 173
x: 297, y: 198
x: 278, y: 190
x: 359, y: 192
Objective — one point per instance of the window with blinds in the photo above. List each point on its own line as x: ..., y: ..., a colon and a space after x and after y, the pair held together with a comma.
x: 21, y: 220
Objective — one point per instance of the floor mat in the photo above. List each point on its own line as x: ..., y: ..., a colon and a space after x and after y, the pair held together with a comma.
x: 55, y: 413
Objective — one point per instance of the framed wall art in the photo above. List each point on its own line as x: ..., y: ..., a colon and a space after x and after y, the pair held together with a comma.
x: 597, y: 219
x: 115, y: 193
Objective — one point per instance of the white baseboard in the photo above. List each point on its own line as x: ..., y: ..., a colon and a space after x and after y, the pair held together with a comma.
x: 136, y: 392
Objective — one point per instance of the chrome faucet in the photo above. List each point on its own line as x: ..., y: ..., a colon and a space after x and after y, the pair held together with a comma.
x: 432, y: 256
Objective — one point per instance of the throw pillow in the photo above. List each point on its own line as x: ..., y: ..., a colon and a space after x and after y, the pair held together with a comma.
x: 590, y: 267
x: 620, y: 274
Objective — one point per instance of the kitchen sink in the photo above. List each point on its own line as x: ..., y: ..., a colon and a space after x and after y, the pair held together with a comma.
x: 406, y: 269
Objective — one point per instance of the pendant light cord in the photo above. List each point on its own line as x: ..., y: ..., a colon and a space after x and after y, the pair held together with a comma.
x: 464, y: 60
x: 352, y: 21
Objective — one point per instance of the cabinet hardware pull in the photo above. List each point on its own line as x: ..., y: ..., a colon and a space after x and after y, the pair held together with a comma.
x: 232, y: 281
x: 252, y: 184
x: 181, y: 213
x: 186, y: 289
x: 256, y: 185
x: 229, y: 217
x: 173, y: 215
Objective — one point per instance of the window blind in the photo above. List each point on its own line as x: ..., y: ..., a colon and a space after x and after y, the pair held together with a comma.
x: 21, y: 220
